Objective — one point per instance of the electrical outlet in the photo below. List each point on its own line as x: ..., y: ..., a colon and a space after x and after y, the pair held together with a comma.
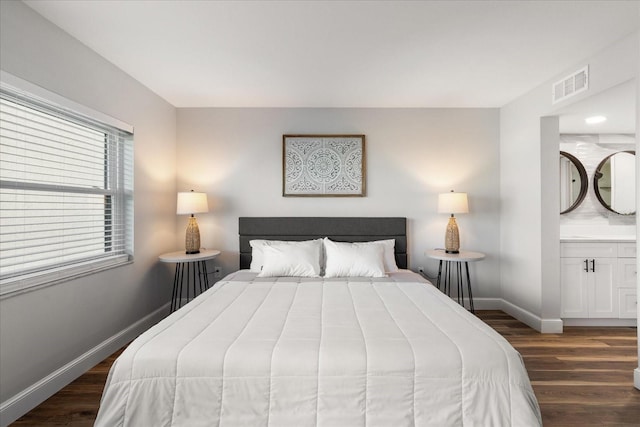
x: 217, y: 272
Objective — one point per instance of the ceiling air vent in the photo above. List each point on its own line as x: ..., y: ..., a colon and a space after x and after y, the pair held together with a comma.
x: 571, y: 85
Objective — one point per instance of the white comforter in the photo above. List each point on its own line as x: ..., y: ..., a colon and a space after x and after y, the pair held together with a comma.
x: 295, y: 352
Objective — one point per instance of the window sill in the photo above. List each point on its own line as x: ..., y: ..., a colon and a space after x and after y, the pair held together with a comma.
x: 30, y: 282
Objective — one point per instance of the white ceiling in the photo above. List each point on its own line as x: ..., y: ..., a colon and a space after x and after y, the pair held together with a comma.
x: 617, y: 104
x: 342, y: 53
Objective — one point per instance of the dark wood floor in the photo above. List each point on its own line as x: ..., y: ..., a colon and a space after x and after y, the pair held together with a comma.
x: 583, y: 377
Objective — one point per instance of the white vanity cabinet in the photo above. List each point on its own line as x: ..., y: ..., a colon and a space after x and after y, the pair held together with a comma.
x: 628, y: 273
x: 598, y: 280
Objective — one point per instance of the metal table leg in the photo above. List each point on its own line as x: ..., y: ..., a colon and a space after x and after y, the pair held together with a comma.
x: 195, y: 276
x: 180, y: 281
x: 447, y: 280
x: 174, y: 295
x: 466, y: 264
x: 460, y: 287
x: 444, y: 278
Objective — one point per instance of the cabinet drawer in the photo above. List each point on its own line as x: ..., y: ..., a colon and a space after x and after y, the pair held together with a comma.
x: 588, y: 250
x: 628, y: 303
x: 627, y: 250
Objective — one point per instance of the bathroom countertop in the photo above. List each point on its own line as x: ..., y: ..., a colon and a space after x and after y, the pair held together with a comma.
x: 595, y: 239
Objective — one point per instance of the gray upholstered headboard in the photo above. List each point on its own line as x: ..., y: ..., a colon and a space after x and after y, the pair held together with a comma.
x: 338, y: 229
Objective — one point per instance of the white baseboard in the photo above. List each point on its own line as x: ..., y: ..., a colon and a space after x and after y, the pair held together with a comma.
x: 545, y: 326
x: 551, y: 326
x: 18, y: 405
x: 636, y: 378
x: 601, y: 322
x: 485, y: 303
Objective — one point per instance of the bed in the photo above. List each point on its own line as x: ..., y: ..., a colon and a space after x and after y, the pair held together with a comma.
x: 320, y: 351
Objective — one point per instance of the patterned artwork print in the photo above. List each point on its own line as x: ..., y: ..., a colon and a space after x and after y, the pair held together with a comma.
x: 323, y: 165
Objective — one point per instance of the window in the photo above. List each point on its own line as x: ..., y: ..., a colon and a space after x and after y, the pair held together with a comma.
x: 66, y: 192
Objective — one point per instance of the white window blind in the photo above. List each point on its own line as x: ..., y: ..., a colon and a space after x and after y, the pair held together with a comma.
x: 66, y: 193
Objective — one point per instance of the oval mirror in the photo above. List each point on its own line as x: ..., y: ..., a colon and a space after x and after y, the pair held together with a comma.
x: 614, y: 182
x: 573, y: 182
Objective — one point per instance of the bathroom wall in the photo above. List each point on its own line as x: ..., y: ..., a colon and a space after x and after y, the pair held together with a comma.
x: 590, y: 217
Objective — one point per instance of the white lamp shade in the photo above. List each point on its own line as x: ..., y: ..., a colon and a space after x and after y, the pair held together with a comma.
x: 192, y: 203
x: 453, y: 203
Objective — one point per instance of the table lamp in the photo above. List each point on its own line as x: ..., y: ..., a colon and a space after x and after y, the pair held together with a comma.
x: 452, y: 203
x: 190, y: 203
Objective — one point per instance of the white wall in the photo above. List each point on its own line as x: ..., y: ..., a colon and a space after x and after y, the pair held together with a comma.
x: 43, y: 330
x: 623, y: 183
x: 235, y: 155
x: 529, y: 235
x: 636, y: 376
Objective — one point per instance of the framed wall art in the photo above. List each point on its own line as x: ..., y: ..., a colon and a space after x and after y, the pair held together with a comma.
x: 323, y: 166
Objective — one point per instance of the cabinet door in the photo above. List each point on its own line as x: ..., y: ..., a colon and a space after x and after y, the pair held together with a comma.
x: 603, y: 295
x: 628, y: 301
x: 627, y: 272
x: 573, y: 281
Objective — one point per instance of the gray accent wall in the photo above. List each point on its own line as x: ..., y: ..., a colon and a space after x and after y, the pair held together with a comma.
x: 44, y: 330
x: 235, y: 156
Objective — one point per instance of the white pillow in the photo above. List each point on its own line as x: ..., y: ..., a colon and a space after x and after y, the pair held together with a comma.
x: 353, y: 259
x: 389, y: 256
x: 298, y: 259
x: 257, y: 251
x: 257, y: 255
